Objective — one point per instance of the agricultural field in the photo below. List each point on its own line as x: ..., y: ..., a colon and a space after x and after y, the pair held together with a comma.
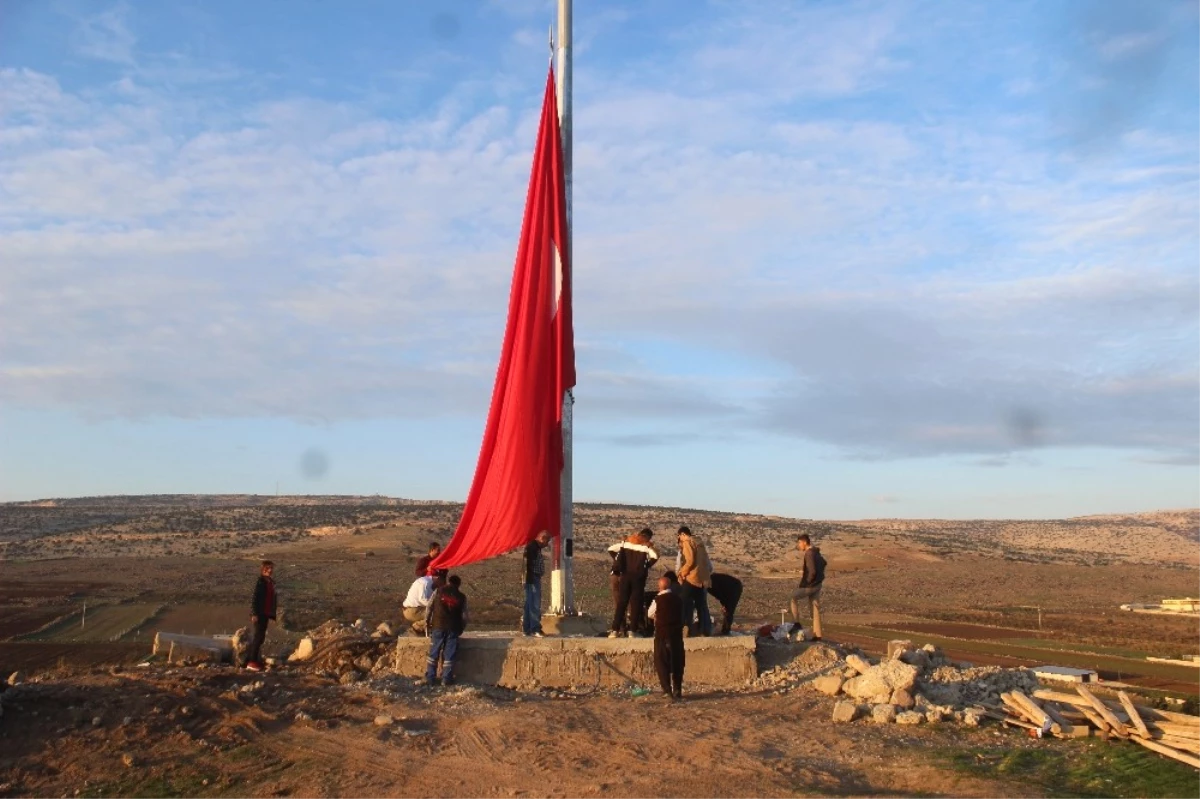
x: 98, y: 624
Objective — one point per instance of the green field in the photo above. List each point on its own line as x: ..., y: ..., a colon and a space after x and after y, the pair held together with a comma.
x: 101, y: 624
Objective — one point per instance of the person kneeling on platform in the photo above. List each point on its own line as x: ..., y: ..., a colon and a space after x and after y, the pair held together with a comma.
x: 446, y: 619
x: 668, y: 639
x: 416, y: 604
x: 727, y: 590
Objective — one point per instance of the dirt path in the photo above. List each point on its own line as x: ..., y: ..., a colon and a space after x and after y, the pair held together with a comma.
x: 220, y: 732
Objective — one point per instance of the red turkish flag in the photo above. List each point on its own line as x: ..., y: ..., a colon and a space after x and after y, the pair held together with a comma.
x: 515, y: 493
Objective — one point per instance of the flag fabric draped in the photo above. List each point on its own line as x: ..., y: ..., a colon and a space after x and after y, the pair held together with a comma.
x: 515, y: 492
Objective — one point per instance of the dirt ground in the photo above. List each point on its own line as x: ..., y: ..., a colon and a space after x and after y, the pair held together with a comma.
x: 218, y: 731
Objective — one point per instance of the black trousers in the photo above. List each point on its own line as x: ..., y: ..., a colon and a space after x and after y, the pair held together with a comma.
x: 254, y: 653
x: 668, y: 661
x: 629, y: 602
x: 729, y: 605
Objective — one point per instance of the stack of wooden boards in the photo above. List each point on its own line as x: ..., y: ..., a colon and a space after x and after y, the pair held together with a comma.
x: 1067, y: 715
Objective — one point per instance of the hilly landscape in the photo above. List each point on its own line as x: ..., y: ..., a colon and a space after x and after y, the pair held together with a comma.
x: 85, y: 583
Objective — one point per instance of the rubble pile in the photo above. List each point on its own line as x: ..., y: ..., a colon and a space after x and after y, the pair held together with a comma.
x: 911, y: 685
x: 347, y: 651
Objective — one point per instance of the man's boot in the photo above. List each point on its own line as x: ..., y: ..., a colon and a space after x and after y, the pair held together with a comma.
x: 726, y: 623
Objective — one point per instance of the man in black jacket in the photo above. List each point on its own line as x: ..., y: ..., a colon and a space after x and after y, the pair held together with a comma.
x: 668, y: 639
x: 727, y: 590
x: 262, y: 612
x: 446, y: 620
x: 535, y: 567
x: 632, y: 565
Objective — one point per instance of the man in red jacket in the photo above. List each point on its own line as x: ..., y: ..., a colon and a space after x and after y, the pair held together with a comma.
x: 262, y: 612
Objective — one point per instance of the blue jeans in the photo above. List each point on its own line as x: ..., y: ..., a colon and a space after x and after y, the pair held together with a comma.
x: 445, y: 645
x: 695, y: 600
x: 531, y: 619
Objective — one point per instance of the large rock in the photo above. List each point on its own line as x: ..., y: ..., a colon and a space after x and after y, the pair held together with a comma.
x: 882, y: 681
x: 303, y: 651
x: 898, y: 675
x: 868, y: 685
x: 883, y: 714
x: 830, y: 684
x: 845, y: 711
x: 901, y: 699
x: 909, y: 717
x: 858, y: 663
x: 896, y: 648
x: 918, y: 659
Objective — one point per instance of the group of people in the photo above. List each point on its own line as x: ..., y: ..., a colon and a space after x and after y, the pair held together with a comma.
x: 436, y: 606
x: 693, y: 575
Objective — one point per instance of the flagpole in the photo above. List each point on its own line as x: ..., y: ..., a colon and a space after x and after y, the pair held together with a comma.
x: 562, y: 579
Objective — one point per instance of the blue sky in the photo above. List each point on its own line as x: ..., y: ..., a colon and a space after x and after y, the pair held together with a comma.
x: 832, y: 260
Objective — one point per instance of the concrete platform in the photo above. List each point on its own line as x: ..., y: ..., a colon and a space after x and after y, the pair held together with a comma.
x: 514, y: 661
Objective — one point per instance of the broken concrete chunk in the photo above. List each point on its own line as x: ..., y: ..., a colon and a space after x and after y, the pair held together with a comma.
x: 303, y: 651
x: 901, y: 699
x: 909, y: 717
x: 830, y: 684
x: 845, y: 711
x: 858, y: 663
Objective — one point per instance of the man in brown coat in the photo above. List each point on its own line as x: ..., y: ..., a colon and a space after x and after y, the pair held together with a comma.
x: 695, y: 578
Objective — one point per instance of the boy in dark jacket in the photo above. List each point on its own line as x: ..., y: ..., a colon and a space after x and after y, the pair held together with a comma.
x: 668, y: 639
x: 632, y: 564
x: 445, y: 620
x: 262, y: 612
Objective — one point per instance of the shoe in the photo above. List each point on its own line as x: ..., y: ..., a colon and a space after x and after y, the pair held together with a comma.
x: 254, y: 666
x: 816, y: 638
x: 429, y: 682
x: 448, y: 682
x: 614, y: 633
x: 677, y: 696
x: 631, y: 633
x: 539, y: 634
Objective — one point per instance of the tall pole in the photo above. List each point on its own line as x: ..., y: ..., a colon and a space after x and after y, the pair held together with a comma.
x: 562, y: 579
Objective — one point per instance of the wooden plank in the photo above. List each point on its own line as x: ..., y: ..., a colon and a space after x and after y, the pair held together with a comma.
x: 1147, y: 713
x: 1034, y: 710
x: 1174, y: 754
x: 1027, y: 725
x: 1178, y: 730
x: 1182, y: 744
x: 1099, y: 722
x: 1103, y: 710
x: 1133, y: 714
x: 1058, y: 696
x: 1064, y: 726
x: 1017, y: 709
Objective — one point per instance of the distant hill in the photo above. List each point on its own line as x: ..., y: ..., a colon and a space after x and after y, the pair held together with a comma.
x: 228, y: 524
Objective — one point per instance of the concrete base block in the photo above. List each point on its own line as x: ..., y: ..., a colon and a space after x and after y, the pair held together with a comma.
x: 574, y: 625
x: 175, y: 645
x: 580, y: 663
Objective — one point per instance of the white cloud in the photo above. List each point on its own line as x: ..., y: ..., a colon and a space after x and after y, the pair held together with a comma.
x: 896, y: 287
x: 106, y: 36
